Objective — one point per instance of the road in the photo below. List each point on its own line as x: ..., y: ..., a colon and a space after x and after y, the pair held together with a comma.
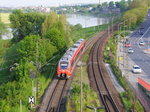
x: 139, y: 56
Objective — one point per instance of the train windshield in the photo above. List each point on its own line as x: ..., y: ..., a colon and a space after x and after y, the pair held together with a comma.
x: 64, y: 65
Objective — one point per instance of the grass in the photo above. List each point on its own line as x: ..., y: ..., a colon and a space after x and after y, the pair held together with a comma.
x: 89, y: 98
x: 5, y: 18
x: 4, y: 45
x: 87, y: 32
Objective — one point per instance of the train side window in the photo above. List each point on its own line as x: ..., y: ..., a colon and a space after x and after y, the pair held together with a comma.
x: 72, y: 63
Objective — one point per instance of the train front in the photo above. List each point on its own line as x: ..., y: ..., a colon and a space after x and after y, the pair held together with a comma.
x: 63, y: 70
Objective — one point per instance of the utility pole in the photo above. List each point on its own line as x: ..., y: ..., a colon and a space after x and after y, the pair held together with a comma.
x: 32, y: 75
x: 20, y: 105
x: 81, y: 88
x: 112, y: 23
x: 108, y: 30
x: 37, y: 56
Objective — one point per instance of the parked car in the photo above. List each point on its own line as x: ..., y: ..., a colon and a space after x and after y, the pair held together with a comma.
x: 141, y: 43
x: 127, y: 45
x: 136, y: 69
x: 130, y: 50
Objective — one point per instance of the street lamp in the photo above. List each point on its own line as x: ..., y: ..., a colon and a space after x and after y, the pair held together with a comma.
x: 95, y: 108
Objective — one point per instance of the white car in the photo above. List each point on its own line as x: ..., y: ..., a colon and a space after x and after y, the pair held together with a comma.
x: 130, y: 50
x: 136, y: 69
x: 141, y: 43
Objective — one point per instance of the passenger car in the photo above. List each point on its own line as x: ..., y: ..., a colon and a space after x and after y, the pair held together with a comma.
x: 141, y: 43
x: 130, y: 50
x: 136, y: 69
x: 127, y: 45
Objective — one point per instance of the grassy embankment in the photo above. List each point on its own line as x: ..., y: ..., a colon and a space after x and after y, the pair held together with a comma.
x: 4, y: 45
x: 127, y: 97
x: 87, y: 32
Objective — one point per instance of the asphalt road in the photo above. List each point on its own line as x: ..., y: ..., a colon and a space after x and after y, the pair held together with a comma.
x: 139, y: 57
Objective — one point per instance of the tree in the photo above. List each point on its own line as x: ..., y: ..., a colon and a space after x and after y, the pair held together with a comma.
x: 105, y: 5
x: 59, y: 24
x: 122, y: 5
x: 66, y: 29
x: 50, y: 20
x: 56, y: 38
x: 140, y: 14
x: 132, y: 18
x: 111, y: 4
x: 36, y: 50
x: 24, y: 24
x: 137, y: 13
x: 24, y: 70
x: 139, y: 4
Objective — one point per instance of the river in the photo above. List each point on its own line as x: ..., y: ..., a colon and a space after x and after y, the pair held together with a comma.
x: 86, y: 20
x: 9, y: 35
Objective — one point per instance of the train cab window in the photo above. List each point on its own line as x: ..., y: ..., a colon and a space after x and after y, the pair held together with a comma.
x: 63, y: 65
x: 75, y: 46
x: 77, y: 43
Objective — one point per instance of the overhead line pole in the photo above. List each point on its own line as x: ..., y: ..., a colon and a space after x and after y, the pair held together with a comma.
x: 81, y: 88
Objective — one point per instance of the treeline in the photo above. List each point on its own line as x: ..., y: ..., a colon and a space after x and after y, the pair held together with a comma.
x: 105, y: 7
x: 137, y: 13
x: 122, y: 5
x: 36, y: 39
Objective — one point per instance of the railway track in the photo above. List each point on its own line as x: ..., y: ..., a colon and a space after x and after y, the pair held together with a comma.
x: 56, y: 95
x: 99, y: 77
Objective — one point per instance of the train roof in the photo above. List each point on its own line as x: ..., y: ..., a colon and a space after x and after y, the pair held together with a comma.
x: 144, y: 83
x: 70, y: 52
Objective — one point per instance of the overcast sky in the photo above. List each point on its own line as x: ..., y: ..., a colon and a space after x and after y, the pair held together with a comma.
x: 16, y: 3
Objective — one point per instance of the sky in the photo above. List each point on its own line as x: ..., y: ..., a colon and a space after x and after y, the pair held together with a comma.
x: 16, y: 3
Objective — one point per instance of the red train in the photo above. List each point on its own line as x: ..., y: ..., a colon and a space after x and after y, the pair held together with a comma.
x: 68, y: 61
x: 145, y: 85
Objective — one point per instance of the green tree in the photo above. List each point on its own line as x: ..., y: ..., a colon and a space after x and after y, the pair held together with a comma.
x: 140, y: 13
x: 50, y: 20
x: 56, y: 38
x: 139, y: 4
x: 34, y: 49
x: 55, y: 22
x: 105, y: 5
x: 24, y: 24
x: 136, y: 15
x: 123, y: 5
x: 111, y: 4
x: 67, y: 30
x: 132, y: 18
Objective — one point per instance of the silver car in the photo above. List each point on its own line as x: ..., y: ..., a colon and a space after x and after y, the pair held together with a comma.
x: 130, y: 50
x: 136, y: 69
